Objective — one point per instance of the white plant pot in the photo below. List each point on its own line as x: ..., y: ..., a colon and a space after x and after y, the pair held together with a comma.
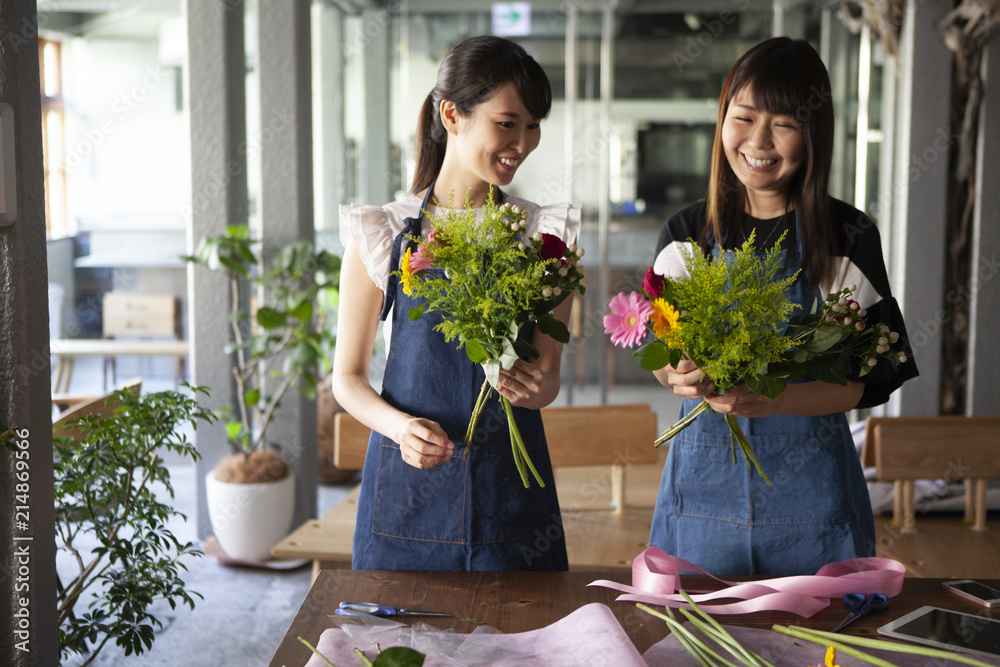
x: 249, y: 519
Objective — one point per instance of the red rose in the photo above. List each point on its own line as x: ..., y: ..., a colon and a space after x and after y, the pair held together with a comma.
x: 653, y: 284
x: 553, y: 247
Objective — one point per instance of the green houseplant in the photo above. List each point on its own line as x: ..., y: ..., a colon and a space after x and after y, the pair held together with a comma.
x: 112, y: 524
x: 277, y: 339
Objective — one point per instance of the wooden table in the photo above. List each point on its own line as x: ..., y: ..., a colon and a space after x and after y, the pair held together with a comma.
x: 521, y: 601
x: 67, y: 349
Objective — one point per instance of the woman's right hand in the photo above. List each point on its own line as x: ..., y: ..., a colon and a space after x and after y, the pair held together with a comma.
x: 424, y: 444
x: 686, y: 379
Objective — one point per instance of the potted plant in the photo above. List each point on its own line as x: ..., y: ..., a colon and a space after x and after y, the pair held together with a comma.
x: 108, y: 472
x: 276, y: 331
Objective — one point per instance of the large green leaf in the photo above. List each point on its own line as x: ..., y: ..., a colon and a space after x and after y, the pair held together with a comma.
x: 269, y: 318
x: 416, y: 313
x: 474, y: 350
x: 822, y: 369
x: 554, y: 328
x: 766, y: 385
x: 399, y: 656
x: 508, y: 356
x: 824, y: 339
x: 654, y: 356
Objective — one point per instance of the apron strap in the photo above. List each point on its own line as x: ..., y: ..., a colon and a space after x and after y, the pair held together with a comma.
x: 411, y: 227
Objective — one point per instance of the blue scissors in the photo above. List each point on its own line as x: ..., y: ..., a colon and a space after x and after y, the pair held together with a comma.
x: 862, y: 605
x: 359, y: 608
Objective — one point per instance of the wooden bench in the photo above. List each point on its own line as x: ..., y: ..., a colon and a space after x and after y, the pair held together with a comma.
x: 904, y: 449
x: 591, y: 448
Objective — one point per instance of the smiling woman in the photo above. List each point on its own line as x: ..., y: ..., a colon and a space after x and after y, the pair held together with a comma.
x: 433, y: 497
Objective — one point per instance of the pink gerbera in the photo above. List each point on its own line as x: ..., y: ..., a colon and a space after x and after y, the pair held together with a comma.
x: 627, y: 320
x: 422, y: 260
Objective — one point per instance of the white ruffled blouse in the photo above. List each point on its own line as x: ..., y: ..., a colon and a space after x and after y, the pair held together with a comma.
x: 374, y: 228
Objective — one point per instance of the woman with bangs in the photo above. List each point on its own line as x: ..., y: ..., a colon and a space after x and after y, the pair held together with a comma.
x: 426, y: 503
x: 771, y: 164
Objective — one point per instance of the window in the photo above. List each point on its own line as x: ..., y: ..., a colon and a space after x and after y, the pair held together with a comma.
x: 53, y: 133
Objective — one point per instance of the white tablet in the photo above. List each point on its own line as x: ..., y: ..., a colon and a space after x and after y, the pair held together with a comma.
x: 947, y: 629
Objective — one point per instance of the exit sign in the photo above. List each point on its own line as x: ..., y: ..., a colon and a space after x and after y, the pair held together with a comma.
x: 511, y: 18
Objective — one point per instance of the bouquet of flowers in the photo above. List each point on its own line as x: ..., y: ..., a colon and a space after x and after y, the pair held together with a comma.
x: 493, y: 279
x: 729, y: 317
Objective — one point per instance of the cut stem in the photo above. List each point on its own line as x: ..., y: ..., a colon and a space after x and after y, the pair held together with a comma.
x: 681, y: 424
x: 517, y: 443
x: 477, y: 412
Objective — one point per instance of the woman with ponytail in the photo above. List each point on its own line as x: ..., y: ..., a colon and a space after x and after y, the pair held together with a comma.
x: 426, y: 503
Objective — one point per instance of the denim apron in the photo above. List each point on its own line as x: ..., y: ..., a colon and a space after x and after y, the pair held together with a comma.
x: 469, y: 513
x: 725, y: 519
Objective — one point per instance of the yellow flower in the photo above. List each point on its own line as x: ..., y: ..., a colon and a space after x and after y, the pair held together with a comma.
x: 407, y: 276
x: 831, y: 658
x: 664, y: 318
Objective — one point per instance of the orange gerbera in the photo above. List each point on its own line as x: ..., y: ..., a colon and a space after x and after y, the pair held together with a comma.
x: 664, y: 317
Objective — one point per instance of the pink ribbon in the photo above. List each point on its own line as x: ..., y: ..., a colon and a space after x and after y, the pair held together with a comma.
x: 656, y: 580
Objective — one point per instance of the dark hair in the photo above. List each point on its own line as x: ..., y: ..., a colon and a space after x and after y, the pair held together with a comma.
x: 469, y: 75
x: 788, y: 78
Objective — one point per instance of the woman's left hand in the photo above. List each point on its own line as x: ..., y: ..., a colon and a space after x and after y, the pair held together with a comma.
x: 740, y: 401
x: 523, y: 384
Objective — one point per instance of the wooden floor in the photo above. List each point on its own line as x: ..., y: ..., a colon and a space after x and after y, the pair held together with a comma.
x: 943, y: 546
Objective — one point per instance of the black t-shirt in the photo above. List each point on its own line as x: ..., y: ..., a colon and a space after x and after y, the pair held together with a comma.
x: 858, y: 262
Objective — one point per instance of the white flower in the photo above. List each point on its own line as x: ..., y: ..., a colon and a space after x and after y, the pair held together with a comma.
x: 583, y: 281
x: 854, y: 305
x: 547, y: 292
x: 563, y: 271
x: 523, y: 225
x: 847, y: 320
x: 842, y: 302
x: 883, y: 340
x: 883, y: 330
x: 852, y: 287
x: 872, y: 362
x: 893, y: 337
x: 882, y: 349
x: 860, y: 326
x: 579, y: 253
x: 516, y: 210
x: 537, y: 236
x: 902, y: 357
x: 521, y: 246
x: 863, y: 312
x: 571, y: 247
x: 828, y: 317
x: 505, y: 207
x: 837, y: 308
x: 557, y: 291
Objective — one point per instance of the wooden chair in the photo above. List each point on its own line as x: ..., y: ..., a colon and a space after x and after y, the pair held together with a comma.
x: 903, y: 449
x: 96, y: 405
x: 591, y: 448
x: 141, y: 315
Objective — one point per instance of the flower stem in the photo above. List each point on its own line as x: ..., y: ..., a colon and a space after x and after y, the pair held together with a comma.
x: 517, y: 444
x: 681, y: 424
x: 751, y: 458
x: 477, y: 412
x: 820, y: 636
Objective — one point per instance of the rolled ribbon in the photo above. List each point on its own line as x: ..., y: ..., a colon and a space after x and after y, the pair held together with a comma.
x: 656, y: 580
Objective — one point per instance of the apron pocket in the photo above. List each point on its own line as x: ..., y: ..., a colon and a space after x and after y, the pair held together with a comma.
x: 503, y: 510
x: 419, y: 504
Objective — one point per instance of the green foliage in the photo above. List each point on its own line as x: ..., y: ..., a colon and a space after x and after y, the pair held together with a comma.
x: 495, y: 281
x: 288, y: 336
x: 733, y: 312
x: 103, y: 496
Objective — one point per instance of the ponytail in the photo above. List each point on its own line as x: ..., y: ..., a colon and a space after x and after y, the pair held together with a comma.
x: 430, y: 145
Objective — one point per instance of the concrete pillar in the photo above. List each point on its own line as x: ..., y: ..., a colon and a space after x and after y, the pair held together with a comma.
x: 983, y: 398
x: 286, y: 192
x: 27, y: 521
x: 377, y: 172
x: 923, y: 141
x: 215, y: 92
x: 328, y: 110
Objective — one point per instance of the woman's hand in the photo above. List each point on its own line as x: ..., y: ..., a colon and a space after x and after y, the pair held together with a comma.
x: 525, y: 385
x: 740, y: 401
x: 687, y: 380
x: 423, y: 443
